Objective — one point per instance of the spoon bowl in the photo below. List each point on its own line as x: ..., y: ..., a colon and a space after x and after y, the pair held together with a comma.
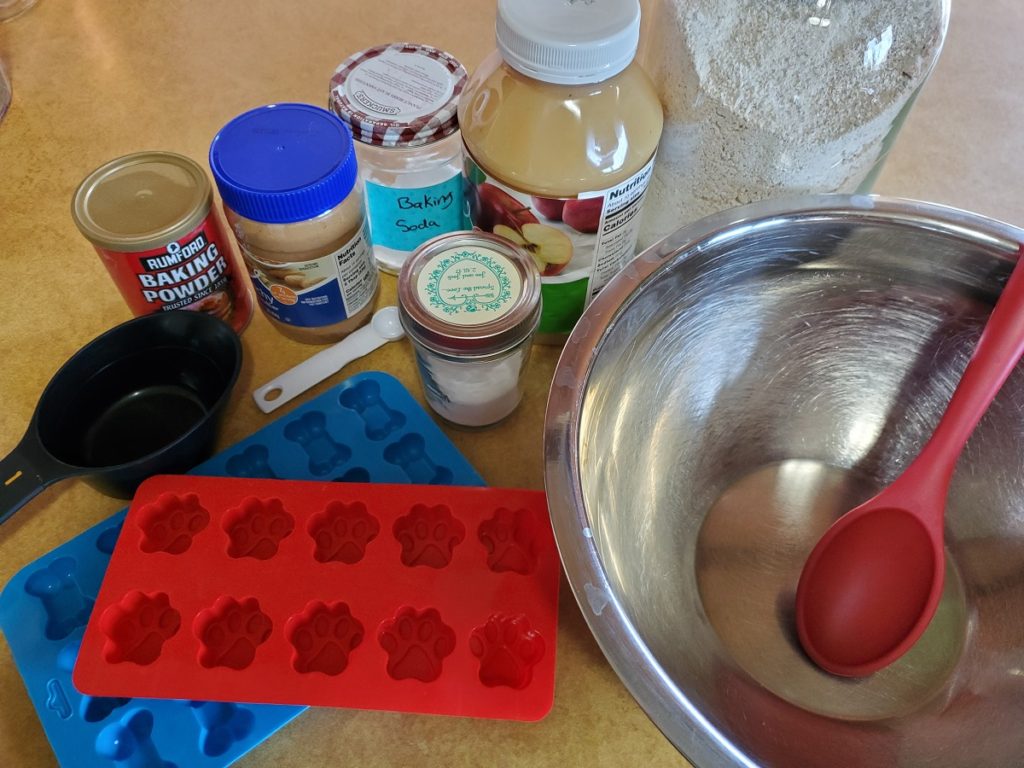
x: 872, y: 583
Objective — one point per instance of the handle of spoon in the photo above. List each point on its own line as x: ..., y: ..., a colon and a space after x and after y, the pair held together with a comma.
x: 996, y: 355
x: 315, y: 369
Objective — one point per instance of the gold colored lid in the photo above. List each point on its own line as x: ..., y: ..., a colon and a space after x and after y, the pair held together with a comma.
x: 142, y: 201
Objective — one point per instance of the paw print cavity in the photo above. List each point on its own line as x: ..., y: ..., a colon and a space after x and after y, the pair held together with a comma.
x: 137, y: 626
x: 508, y: 649
x: 379, y: 420
x: 323, y: 636
x: 310, y: 432
x: 428, y: 535
x: 253, y: 462
x: 510, y: 537
x: 409, y: 453
x: 129, y: 742
x: 417, y: 643
x: 221, y: 725
x: 256, y: 527
x: 230, y: 631
x: 67, y: 607
x: 341, y: 532
x: 170, y: 523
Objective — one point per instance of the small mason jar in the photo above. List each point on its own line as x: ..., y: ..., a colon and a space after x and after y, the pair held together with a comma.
x: 470, y: 304
x: 400, y: 102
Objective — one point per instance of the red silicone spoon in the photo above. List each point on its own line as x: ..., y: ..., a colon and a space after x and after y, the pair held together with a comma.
x: 873, y: 581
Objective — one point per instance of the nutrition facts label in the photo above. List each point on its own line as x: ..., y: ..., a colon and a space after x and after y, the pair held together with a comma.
x: 620, y: 225
x: 358, y: 273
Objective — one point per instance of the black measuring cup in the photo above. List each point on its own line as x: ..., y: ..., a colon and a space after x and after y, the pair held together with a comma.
x: 144, y: 398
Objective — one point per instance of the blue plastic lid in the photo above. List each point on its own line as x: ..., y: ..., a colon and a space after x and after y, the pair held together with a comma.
x: 283, y: 163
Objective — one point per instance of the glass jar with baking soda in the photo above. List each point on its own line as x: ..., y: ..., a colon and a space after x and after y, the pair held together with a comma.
x: 287, y: 175
x: 400, y: 100
x: 560, y: 128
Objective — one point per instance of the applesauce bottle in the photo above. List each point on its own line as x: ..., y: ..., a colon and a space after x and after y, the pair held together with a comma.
x: 560, y: 128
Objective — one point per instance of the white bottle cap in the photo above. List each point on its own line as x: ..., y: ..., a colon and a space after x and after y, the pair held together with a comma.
x: 568, y: 41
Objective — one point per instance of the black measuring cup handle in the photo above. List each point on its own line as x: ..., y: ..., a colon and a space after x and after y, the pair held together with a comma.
x: 24, y: 472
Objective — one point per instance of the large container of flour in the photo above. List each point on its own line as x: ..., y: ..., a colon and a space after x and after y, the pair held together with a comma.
x: 779, y: 97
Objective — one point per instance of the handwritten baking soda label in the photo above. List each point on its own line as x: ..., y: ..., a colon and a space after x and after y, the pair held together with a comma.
x: 190, y: 273
x: 578, y: 244
x: 403, y: 219
x: 469, y: 286
x: 316, y: 292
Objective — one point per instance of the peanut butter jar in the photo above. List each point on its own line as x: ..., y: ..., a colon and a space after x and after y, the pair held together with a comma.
x: 287, y: 174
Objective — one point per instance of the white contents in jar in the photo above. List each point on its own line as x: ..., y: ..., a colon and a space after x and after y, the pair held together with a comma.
x: 473, y: 394
x: 778, y: 97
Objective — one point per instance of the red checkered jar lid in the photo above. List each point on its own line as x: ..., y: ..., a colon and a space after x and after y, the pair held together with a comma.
x: 398, y: 95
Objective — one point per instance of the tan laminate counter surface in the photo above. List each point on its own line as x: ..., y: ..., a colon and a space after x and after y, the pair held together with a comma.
x: 94, y: 80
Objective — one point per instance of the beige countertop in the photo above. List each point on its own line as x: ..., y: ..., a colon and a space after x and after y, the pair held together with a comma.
x: 94, y: 80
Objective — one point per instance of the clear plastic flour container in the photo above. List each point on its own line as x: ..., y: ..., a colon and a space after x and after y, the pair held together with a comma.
x: 779, y: 97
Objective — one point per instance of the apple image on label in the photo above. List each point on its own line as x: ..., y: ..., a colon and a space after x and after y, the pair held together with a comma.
x: 551, y: 248
x: 583, y: 215
x: 496, y: 207
x: 548, y: 207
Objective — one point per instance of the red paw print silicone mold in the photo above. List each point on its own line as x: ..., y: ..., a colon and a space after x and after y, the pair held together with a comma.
x: 511, y: 540
x: 342, y: 531
x: 137, y: 626
x: 417, y: 643
x: 428, y: 535
x: 230, y: 632
x: 404, y: 598
x: 171, y: 522
x: 323, y: 636
x: 257, y: 527
x: 508, y: 649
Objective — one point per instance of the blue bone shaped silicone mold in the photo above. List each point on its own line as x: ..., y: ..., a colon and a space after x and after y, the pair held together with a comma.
x: 409, y: 453
x: 129, y: 742
x: 221, y: 724
x: 254, y: 461
x: 310, y: 432
x: 364, y: 398
x: 92, y: 709
x: 67, y: 608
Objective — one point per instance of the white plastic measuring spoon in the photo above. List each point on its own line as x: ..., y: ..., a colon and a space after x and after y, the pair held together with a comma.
x: 384, y: 327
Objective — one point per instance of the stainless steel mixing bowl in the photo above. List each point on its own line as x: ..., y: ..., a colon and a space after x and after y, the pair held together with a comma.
x: 726, y: 397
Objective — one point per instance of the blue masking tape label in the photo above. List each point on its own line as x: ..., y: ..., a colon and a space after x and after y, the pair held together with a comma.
x: 402, y: 219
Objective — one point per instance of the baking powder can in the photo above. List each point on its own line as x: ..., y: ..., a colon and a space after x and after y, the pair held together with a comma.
x: 150, y: 217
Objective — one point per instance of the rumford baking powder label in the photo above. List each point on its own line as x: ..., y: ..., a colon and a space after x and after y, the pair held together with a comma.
x: 190, y: 273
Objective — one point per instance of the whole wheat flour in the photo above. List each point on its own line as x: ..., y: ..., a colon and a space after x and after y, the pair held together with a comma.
x: 770, y: 97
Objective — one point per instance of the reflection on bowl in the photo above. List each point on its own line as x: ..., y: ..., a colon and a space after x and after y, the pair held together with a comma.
x: 732, y: 392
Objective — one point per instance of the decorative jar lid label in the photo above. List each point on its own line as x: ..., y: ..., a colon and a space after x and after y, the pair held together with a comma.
x: 469, y: 285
